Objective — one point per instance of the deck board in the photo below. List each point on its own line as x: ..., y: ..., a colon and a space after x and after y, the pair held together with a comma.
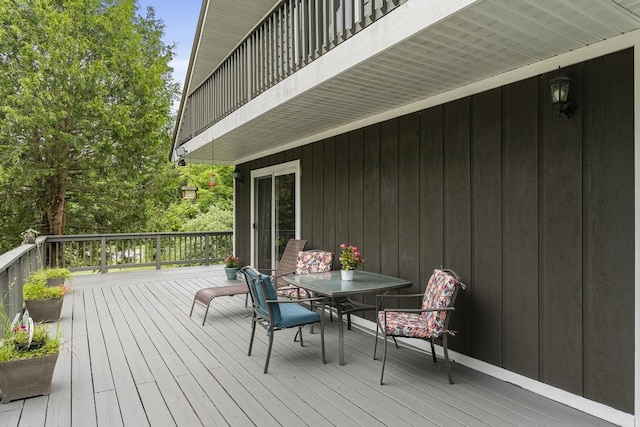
x: 129, y: 402
x: 83, y: 410
x: 133, y: 356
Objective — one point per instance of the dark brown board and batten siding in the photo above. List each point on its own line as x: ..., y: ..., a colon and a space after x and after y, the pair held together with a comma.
x: 533, y: 210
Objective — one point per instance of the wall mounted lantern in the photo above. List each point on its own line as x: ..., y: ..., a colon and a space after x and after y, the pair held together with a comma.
x: 237, y: 175
x: 560, y: 96
x: 189, y: 193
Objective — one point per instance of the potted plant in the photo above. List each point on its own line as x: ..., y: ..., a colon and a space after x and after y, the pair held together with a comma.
x: 28, y: 356
x: 350, y: 258
x: 56, y: 276
x: 231, y: 266
x: 43, y: 302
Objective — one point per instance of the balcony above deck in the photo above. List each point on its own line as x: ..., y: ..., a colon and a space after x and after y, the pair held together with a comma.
x: 296, y: 79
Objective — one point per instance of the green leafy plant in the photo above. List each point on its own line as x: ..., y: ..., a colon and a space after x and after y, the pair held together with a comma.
x: 57, y: 273
x: 350, y: 257
x: 35, y: 287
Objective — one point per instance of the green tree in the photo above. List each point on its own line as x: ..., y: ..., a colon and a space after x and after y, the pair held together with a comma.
x: 86, y: 91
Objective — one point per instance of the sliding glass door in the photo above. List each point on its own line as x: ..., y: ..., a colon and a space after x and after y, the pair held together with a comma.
x: 275, y: 212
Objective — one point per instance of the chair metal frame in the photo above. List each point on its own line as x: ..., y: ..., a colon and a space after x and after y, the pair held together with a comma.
x: 444, y: 334
x: 264, y: 313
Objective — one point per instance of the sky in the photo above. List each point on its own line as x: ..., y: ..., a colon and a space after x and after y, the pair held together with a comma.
x: 180, y: 18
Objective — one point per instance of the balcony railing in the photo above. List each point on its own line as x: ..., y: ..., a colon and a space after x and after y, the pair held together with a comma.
x: 103, y: 252
x: 294, y: 34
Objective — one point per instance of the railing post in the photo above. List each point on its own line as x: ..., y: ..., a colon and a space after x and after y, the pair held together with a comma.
x: 103, y: 255
x: 158, y: 253
x: 207, y: 251
x: 26, y: 267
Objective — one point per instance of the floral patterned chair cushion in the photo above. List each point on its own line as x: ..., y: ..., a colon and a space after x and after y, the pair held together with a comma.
x: 438, y: 294
x: 428, y: 324
x: 314, y: 262
x: 306, y: 263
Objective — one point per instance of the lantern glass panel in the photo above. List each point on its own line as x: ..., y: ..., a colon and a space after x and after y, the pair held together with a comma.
x: 559, y: 89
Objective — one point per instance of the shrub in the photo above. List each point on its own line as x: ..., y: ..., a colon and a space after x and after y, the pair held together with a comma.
x: 35, y: 287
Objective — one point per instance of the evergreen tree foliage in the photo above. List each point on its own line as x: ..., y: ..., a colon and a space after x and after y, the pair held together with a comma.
x: 85, y: 119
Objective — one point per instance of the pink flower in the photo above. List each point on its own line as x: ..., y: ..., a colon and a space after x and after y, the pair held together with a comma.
x: 350, y: 257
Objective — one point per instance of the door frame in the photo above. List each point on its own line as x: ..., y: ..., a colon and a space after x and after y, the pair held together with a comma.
x: 273, y: 171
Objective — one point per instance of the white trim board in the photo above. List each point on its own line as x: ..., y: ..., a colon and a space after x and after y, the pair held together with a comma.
x: 636, y: 125
x: 578, y: 402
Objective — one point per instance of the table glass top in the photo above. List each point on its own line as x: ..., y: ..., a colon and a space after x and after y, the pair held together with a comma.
x: 330, y: 284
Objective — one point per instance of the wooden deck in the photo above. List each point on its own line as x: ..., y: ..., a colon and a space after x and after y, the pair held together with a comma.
x: 134, y: 357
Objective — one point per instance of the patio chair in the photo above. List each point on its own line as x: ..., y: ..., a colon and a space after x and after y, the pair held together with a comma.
x: 274, y: 315
x: 428, y: 323
x: 312, y: 261
x: 287, y: 263
x: 206, y: 295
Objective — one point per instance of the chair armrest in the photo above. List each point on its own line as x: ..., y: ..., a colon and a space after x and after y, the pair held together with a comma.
x: 380, y: 297
x: 416, y: 310
x: 286, y: 273
x: 296, y: 301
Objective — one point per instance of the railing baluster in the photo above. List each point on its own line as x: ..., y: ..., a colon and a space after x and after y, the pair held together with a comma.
x: 103, y: 258
x: 316, y: 34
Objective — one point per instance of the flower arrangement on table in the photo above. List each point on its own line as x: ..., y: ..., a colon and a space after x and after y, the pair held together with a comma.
x: 232, y: 261
x: 350, y: 258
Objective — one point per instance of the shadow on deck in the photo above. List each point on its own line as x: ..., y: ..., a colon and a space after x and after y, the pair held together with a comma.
x: 134, y: 357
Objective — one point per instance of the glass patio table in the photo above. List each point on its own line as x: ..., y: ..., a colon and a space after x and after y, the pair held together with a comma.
x: 330, y: 285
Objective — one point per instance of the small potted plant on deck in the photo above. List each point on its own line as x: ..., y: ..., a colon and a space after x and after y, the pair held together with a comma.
x: 56, y: 276
x: 28, y: 355
x: 350, y: 258
x: 42, y: 301
x: 231, y: 266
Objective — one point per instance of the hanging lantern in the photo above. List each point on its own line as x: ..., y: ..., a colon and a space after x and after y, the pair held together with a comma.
x: 212, y: 180
x: 189, y: 193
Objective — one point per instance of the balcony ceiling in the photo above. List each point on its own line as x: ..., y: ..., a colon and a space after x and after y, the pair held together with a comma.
x: 483, y: 40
